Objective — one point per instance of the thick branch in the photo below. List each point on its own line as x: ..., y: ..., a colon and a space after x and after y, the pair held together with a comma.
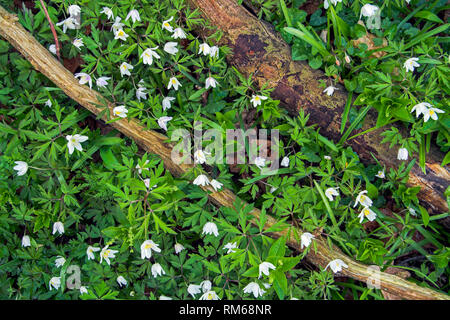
x: 259, y: 50
x: 153, y: 142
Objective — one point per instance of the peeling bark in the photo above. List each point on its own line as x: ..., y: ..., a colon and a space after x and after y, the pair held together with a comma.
x: 320, y: 253
x: 259, y: 50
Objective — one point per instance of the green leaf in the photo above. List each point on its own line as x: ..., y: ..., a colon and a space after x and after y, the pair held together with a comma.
x: 428, y: 15
x: 278, y: 248
x: 425, y: 216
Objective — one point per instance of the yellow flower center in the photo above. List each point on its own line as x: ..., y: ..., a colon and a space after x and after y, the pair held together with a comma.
x: 166, y: 24
x: 431, y: 112
x: 257, y: 98
x: 366, y: 212
x: 174, y: 81
x: 362, y: 198
x: 148, y: 246
x: 210, y: 296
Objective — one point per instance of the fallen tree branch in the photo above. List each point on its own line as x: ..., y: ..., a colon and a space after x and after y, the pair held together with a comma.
x: 259, y: 50
x: 153, y: 142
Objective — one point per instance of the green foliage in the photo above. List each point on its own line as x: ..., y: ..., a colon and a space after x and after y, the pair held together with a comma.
x: 112, y: 195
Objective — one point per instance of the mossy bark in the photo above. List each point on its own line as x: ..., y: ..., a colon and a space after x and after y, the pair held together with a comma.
x: 321, y: 253
x: 259, y: 50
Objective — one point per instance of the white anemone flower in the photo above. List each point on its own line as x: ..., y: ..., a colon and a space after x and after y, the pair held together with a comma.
x: 199, y: 156
x: 157, y: 270
x: 83, y: 290
x: 121, y: 281
x: 380, y: 174
x: 58, y: 227
x: 59, y: 262
x: 421, y: 108
x: 214, y: 52
x: 173, y: 82
x: 410, y: 64
x: 210, y: 228
x: 364, y: 200
x: 74, y: 142
x: 52, y: 48
x: 326, y: 4
x: 26, y: 242
x: 120, y: 34
x: 134, y: 15
x: 108, y: 12
x: 330, y: 90
x: 148, y: 55
x: 206, y: 285
x: 107, y: 254
x: 265, y: 267
x: 78, y: 43
x: 205, y: 49
x: 178, y: 247
x: 69, y: 23
x: 194, y: 289
x: 171, y: 47
x: 54, y: 282
x: 141, y: 94
x: 285, y: 162
x: 201, y: 180
x: 84, y: 78
x: 102, y: 82
x: 210, y: 82
x: 74, y: 10
x: 216, y: 184
x: 230, y: 246
x: 331, y: 192
x: 21, y: 167
x: 402, y: 154
x: 166, y: 25
x: 254, y: 288
x: 368, y: 10
x: 336, y: 265
x: 178, y: 33
x: 260, y: 162
x: 166, y: 103
x: 257, y: 100
x: 90, y: 252
x: 125, y: 69
x: 369, y: 214
x: 431, y: 113
x: 210, y: 295
x: 120, y: 111
x: 162, y: 122
x: 306, y: 239
x: 146, y: 249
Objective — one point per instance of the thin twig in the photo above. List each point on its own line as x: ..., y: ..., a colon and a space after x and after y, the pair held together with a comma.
x: 52, y: 27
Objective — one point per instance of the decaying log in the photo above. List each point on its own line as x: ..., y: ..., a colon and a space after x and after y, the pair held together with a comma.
x: 259, y: 50
x: 153, y: 142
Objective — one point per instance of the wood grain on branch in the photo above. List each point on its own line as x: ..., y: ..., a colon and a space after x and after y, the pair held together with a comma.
x: 154, y: 142
x: 259, y: 50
